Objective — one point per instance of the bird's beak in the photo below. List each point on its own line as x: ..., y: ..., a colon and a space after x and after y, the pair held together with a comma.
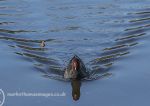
x: 75, y: 68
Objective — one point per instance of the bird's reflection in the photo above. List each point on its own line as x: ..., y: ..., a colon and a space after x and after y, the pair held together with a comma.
x: 76, y: 84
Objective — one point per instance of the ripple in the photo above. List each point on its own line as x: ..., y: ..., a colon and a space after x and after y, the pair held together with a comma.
x: 24, y: 40
x: 108, y: 58
x: 138, y: 20
x: 130, y: 37
x: 143, y: 12
x: 6, y: 23
x: 32, y: 48
x: 137, y: 28
x: 14, y: 31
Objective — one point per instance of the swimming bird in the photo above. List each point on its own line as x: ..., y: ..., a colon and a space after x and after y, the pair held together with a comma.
x: 75, y: 69
x: 42, y: 44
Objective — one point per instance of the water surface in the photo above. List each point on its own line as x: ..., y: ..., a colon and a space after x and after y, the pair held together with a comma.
x: 110, y: 36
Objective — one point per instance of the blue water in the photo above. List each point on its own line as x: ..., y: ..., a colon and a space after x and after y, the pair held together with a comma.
x: 110, y: 34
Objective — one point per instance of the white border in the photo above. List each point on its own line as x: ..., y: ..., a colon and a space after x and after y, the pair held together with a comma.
x: 3, y: 94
